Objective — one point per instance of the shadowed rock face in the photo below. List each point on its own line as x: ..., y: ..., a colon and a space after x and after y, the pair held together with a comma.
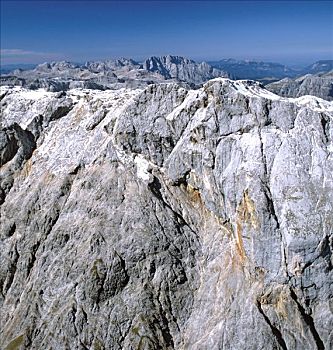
x: 166, y: 218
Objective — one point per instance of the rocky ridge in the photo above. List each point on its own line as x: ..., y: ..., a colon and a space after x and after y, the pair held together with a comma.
x: 166, y: 218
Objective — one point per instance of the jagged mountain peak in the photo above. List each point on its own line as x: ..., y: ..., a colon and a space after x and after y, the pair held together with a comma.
x: 181, y: 68
x: 171, y: 59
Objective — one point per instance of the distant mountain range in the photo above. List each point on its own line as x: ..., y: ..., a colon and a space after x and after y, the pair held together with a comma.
x: 128, y: 73
x: 319, y: 67
x: 169, y: 67
x: 245, y: 69
x: 114, y: 73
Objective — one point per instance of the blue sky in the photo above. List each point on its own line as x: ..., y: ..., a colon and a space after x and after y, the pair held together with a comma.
x: 284, y: 31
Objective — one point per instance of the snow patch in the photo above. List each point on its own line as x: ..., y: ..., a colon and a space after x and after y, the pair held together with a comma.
x: 253, y: 89
x: 249, y: 88
x: 315, y: 103
x: 191, y: 96
x: 35, y: 94
x: 142, y: 166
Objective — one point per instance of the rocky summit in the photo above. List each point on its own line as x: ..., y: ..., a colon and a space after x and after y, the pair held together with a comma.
x: 166, y: 218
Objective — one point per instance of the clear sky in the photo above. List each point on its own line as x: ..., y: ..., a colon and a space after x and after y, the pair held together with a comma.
x: 283, y: 31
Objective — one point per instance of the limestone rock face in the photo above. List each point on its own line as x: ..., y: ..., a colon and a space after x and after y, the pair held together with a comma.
x: 166, y: 218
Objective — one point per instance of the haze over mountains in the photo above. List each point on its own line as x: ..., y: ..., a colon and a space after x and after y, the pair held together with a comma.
x: 257, y: 70
x: 239, y: 69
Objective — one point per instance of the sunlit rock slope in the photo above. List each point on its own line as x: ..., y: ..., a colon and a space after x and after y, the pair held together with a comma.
x: 166, y: 218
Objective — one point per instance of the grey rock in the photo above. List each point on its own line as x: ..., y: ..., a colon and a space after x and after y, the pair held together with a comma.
x: 182, y: 69
x: 320, y: 85
x: 166, y: 218
x: 108, y: 65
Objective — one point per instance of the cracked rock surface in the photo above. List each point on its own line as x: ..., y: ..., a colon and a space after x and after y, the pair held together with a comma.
x: 166, y: 218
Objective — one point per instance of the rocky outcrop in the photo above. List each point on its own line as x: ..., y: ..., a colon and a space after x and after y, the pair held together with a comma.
x: 320, y: 85
x: 166, y: 218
